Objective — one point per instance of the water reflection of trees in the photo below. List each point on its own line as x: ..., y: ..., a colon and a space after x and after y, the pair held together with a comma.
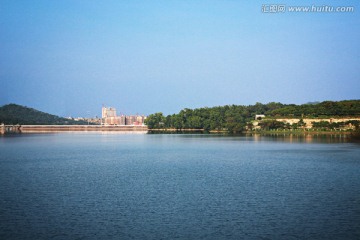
x: 303, y: 138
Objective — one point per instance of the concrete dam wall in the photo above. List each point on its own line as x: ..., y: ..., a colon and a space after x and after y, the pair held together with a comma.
x: 72, y: 128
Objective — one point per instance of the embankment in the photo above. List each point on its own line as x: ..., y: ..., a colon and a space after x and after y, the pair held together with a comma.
x: 80, y: 128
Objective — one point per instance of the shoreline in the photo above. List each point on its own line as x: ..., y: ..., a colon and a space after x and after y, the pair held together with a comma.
x: 5, y: 129
x: 295, y: 132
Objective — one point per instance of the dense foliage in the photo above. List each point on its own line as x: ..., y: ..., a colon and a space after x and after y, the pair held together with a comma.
x: 16, y: 114
x: 323, y: 109
x: 235, y: 118
x: 324, y: 125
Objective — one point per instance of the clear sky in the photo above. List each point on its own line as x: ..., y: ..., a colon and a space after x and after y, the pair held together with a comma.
x: 68, y: 57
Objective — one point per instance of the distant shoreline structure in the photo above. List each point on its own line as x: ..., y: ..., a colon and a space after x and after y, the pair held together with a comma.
x: 109, y: 117
x: 70, y: 128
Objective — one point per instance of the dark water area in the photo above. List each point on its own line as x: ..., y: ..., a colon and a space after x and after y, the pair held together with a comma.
x: 142, y: 186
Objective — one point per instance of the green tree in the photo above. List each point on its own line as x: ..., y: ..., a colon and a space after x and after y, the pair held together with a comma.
x: 155, y: 121
x: 271, y: 125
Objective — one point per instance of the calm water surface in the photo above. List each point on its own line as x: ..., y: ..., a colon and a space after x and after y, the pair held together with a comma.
x: 134, y: 186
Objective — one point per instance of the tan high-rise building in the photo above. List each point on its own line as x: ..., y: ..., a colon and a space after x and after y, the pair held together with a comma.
x: 108, y: 112
x: 108, y: 115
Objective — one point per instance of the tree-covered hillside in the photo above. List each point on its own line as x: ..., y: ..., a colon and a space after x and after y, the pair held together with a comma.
x: 323, y: 109
x: 16, y: 114
x: 235, y: 118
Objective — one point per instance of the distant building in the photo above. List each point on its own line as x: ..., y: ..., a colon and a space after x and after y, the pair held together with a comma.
x: 109, y: 118
x: 259, y: 116
x: 108, y: 112
x: 111, y: 121
x: 122, y: 120
x: 129, y: 120
x: 108, y: 115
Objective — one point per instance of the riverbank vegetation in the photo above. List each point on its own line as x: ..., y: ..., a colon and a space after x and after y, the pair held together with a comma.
x: 239, y: 118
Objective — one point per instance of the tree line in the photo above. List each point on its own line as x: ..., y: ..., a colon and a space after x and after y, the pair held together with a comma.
x: 237, y: 118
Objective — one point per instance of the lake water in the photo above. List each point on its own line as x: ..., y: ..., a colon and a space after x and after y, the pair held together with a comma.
x: 141, y: 186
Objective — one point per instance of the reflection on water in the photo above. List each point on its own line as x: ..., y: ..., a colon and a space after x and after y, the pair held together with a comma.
x: 283, y: 137
x: 303, y: 138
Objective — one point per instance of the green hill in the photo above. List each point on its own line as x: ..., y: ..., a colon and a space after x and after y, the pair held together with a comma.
x: 17, y: 114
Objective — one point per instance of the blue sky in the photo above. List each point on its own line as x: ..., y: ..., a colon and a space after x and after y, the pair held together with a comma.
x: 69, y: 57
